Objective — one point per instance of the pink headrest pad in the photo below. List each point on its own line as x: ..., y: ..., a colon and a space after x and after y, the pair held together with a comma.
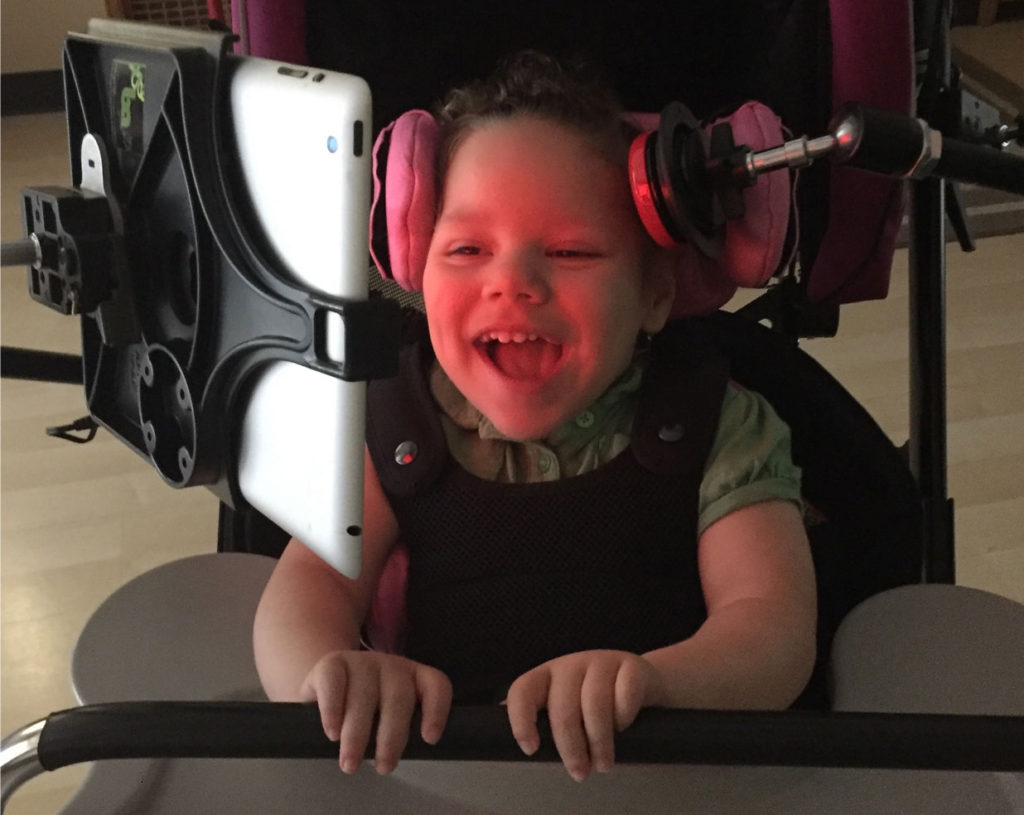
x: 409, y: 148
x: 753, y: 244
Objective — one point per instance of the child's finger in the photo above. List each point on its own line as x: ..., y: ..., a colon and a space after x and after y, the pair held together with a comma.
x: 597, y: 704
x: 631, y: 690
x: 435, y: 692
x: 527, y: 695
x: 397, y: 703
x: 566, y: 718
x: 326, y: 686
x: 361, y: 702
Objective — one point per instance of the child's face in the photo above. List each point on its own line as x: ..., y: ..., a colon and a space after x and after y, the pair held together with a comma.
x: 535, y: 286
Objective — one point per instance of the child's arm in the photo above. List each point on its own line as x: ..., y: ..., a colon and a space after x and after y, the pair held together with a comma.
x: 755, y: 650
x: 306, y: 643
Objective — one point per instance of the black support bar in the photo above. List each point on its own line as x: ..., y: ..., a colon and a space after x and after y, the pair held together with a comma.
x: 776, y: 738
x: 42, y: 366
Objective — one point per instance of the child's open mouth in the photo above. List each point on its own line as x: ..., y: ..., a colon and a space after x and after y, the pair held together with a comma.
x: 520, y: 356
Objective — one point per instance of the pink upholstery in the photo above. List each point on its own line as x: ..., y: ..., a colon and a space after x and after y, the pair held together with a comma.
x: 385, y: 624
x: 275, y: 29
x: 872, y: 64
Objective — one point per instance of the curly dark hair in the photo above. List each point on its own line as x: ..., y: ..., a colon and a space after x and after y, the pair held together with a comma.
x: 572, y: 93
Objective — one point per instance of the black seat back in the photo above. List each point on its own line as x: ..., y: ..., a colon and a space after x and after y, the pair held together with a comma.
x: 864, y: 507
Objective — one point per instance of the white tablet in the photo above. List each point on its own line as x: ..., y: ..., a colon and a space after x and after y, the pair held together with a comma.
x: 303, y: 141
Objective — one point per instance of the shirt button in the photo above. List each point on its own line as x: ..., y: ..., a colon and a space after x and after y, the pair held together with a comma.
x: 585, y: 419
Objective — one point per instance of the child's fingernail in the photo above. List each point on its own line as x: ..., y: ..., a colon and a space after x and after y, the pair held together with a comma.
x: 431, y: 735
x: 383, y: 767
x: 349, y: 765
x: 577, y: 774
x: 528, y: 746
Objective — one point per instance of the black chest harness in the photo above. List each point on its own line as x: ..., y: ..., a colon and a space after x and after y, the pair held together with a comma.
x: 503, y: 577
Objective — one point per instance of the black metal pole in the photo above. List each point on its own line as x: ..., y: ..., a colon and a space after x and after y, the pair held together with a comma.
x: 927, y: 291
x: 928, y: 451
x: 42, y: 366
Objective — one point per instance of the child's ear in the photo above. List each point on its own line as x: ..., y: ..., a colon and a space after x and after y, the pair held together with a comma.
x: 659, y: 294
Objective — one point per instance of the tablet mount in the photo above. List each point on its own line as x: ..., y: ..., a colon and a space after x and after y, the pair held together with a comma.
x: 180, y: 301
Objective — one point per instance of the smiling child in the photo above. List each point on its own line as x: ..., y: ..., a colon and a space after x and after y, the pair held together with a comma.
x: 573, y: 550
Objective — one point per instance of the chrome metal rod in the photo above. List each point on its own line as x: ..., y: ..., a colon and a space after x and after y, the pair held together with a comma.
x: 20, y: 252
x: 19, y: 759
x: 795, y: 153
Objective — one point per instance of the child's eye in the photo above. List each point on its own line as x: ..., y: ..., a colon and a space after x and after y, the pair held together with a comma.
x: 465, y: 251
x: 573, y: 254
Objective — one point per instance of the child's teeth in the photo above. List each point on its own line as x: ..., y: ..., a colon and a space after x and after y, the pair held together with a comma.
x: 507, y: 337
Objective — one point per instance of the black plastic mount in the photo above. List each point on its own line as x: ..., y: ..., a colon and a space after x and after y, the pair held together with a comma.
x: 180, y: 303
x: 73, y: 231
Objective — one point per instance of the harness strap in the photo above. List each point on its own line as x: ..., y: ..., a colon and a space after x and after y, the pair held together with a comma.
x: 684, y: 385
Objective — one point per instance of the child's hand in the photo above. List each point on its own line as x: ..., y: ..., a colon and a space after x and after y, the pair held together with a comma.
x: 589, y: 696
x: 351, y: 687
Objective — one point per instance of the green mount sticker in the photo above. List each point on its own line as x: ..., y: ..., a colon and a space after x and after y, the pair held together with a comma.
x: 129, y: 94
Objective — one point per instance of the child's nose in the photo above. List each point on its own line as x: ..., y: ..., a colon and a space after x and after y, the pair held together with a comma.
x: 518, y: 276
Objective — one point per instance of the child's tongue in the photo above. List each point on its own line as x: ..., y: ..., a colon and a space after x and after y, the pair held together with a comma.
x: 533, y: 359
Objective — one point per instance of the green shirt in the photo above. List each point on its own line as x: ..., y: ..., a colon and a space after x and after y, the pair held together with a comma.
x: 749, y: 461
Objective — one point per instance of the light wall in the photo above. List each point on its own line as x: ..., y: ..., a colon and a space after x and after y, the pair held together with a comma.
x: 32, y: 31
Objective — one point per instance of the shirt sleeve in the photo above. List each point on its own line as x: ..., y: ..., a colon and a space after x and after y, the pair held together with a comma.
x: 750, y: 459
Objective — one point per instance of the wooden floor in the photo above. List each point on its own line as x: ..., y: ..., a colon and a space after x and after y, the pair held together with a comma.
x: 78, y: 521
